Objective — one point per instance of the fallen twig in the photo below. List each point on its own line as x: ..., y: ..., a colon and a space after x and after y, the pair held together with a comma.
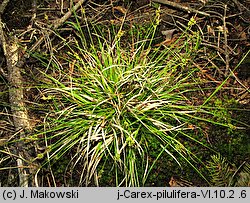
x: 58, y: 23
x: 3, y: 5
x: 227, y: 59
x: 19, y: 113
x: 2, y: 38
x: 20, y: 117
x: 181, y: 7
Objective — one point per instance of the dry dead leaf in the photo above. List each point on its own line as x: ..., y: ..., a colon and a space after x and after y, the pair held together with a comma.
x: 210, y: 30
x: 120, y: 9
x: 168, y: 34
x: 243, y: 35
x: 174, y: 182
x: 222, y: 29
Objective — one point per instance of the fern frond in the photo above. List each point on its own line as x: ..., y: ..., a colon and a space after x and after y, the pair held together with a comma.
x: 220, y: 171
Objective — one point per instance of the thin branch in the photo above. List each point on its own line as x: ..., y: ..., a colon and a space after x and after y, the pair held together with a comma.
x: 58, y: 23
x: 227, y: 59
x: 181, y: 7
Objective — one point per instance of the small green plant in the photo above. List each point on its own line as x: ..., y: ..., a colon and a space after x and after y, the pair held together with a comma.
x: 112, y: 103
x: 224, y: 174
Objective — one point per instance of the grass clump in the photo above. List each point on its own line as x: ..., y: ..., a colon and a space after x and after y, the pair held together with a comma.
x: 113, y: 104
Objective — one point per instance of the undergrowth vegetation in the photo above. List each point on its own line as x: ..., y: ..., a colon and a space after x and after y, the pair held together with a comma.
x: 120, y: 97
